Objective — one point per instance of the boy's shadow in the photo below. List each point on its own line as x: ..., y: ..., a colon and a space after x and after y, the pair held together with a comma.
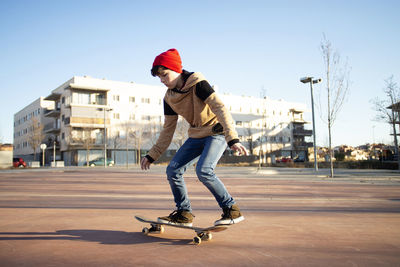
x: 107, y: 237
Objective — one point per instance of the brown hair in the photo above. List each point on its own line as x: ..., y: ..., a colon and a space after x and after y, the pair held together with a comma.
x: 157, y: 69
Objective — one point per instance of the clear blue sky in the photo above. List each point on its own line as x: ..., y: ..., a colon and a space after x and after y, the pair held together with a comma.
x: 241, y: 46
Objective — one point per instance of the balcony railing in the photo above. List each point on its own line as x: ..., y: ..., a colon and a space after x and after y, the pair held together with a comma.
x: 52, y: 127
x: 52, y: 112
x: 93, y: 142
x: 302, y: 145
x: 302, y: 132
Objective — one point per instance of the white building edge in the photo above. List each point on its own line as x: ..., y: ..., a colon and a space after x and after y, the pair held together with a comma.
x: 76, y: 113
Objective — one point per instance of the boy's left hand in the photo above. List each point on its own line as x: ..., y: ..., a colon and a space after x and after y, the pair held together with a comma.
x: 239, y: 148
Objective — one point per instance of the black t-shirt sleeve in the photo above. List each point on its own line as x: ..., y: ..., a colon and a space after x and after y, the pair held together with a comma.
x: 168, y: 110
x: 203, y: 90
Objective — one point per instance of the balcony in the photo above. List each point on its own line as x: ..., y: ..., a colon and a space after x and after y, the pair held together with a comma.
x: 52, y: 127
x: 53, y: 96
x: 86, y: 122
x: 52, y: 113
x: 302, y: 145
x: 302, y: 132
x: 88, y: 142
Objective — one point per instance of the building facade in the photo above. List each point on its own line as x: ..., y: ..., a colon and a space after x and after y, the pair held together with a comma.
x: 85, y: 116
x: 25, y: 122
x: 271, y: 128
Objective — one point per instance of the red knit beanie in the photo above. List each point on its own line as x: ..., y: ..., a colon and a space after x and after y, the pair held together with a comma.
x: 169, y: 59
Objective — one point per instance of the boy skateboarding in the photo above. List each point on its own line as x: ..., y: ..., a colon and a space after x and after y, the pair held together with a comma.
x: 211, y: 129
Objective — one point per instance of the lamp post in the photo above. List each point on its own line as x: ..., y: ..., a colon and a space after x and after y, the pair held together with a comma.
x: 311, y: 81
x: 54, y: 153
x: 105, y: 134
x: 43, y: 148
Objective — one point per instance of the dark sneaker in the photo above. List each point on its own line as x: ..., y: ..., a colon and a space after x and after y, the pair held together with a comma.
x: 231, y: 215
x: 178, y: 217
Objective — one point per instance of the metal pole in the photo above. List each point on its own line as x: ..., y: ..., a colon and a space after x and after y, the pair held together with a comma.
x: 42, y: 157
x: 313, y: 124
x: 105, y: 140
x: 54, y: 153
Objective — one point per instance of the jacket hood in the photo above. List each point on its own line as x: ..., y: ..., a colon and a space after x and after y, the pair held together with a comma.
x: 193, y: 79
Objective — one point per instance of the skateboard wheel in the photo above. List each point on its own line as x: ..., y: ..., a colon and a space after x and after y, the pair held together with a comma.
x: 207, y: 236
x: 197, y: 240
x: 145, y: 231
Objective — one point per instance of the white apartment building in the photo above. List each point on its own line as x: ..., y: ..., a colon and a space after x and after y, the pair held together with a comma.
x: 275, y: 127
x: 23, y: 124
x: 84, y: 111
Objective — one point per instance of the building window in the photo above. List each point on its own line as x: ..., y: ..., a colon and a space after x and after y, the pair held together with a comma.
x: 116, y: 116
x: 146, y: 117
x: 146, y: 100
x: 239, y: 123
x: 81, y: 98
x: 67, y: 120
x: 63, y: 136
x: 116, y: 97
x: 132, y: 116
x: 86, y: 98
x: 132, y: 99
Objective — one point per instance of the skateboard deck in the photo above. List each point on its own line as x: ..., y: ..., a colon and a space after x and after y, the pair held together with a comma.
x: 203, y: 234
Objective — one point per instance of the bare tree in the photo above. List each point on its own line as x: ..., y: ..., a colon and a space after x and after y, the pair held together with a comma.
x: 386, y: 109
x: 126, y: 126
x: 181, y: 132
x: 114, y: 141
x: 86, y: 140
x: 250, y: 141
x: 337, y: 82
x: 154, y: 129
x: 35, y: 135
x: 135, y: 131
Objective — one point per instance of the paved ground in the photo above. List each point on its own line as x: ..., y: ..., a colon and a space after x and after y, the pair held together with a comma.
x: 84, y: 217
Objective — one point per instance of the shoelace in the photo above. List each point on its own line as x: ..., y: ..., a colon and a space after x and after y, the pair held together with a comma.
x: 227, y: 213
x: 174, y: 215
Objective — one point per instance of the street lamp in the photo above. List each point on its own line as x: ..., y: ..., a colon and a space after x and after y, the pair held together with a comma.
x: 105, y: 134
x: 311, y: 81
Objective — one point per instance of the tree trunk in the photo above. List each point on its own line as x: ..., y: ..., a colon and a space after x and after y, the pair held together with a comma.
x: 87, y: 158
x: 139, y: 152
x: 330, y: 150
x: 396, y: 146
x: 127, y: 150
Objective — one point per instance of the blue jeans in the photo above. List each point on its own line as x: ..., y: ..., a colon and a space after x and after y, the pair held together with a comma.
x: 207, y: 151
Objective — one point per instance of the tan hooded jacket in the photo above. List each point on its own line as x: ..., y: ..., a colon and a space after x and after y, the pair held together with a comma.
x: 205, y: 116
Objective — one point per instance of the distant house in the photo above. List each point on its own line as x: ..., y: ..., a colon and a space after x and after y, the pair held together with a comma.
x: 6, y: 155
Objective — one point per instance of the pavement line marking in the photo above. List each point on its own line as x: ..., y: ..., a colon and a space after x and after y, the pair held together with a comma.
x: 147, y: 196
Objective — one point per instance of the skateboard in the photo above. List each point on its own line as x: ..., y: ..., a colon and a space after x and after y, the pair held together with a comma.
x: 202, y: 234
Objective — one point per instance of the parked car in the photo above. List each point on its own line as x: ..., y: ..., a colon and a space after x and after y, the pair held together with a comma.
x: 284, y: 160
x: 100, y: 162
x: 298, y: 159
x: 19, y: 163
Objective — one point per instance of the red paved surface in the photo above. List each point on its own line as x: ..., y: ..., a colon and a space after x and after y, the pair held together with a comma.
x: 84, y: 217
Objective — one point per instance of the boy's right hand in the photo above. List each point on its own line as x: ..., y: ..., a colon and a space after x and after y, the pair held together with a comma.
x: 145, y: 164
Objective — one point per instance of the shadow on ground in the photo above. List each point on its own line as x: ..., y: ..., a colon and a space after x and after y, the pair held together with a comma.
x: 106, y: 237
